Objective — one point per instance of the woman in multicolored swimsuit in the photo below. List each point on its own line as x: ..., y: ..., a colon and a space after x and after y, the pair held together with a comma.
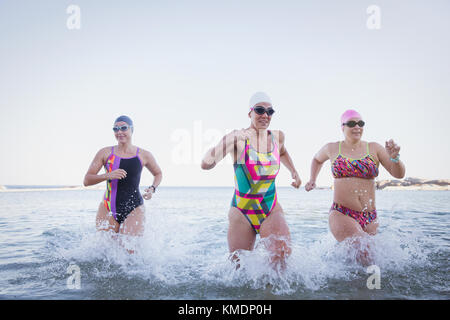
x: 257, y: 153
x: 354, y: 165
x: 122, y: 207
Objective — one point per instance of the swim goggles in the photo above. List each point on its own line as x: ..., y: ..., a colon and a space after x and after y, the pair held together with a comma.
x: 121, y: 128
x: 261, y: 110
x: 352, y: 124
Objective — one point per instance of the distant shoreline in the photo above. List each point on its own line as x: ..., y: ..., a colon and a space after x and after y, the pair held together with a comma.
x: 387, y: 185
x: 31, y: 188
x: 24, y: 188
x: 414, y: 184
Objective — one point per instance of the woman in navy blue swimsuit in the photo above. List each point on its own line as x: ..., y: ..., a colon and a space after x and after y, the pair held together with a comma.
x: 122, y: 207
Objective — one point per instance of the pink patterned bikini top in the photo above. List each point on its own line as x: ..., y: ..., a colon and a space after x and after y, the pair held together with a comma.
x: 343, y: 167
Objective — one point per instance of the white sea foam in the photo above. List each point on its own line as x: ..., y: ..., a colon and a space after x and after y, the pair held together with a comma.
x: 183, y: 252
x: 170, y: 254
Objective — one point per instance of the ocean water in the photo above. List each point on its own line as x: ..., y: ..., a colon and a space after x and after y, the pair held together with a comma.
x: 46, y: 235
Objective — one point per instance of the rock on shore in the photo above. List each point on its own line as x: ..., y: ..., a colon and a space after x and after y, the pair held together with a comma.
x: 414, y: 184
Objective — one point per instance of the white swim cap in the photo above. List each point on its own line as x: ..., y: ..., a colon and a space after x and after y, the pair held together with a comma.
x: 259, y: 97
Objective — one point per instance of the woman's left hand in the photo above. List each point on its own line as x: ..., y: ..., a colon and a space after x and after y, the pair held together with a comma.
x: 297, y: 183
x: 148, y: 193
x: 392, y: 148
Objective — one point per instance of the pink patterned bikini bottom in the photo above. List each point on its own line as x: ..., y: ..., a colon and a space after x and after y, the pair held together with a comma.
x: 362, y: 217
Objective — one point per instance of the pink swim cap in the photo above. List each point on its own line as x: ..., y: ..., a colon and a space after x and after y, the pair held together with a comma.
x: 347, y: 115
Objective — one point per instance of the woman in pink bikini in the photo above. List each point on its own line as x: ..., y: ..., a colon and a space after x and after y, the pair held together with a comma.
x: 354, y: 165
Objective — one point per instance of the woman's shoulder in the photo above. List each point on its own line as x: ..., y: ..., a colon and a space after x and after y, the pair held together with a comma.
x: 374, y: 145
x: 103, y: 154
x: 279, y: 134
x: 144, y: 153
x: 105, y: 151
x: 332, y: 146
x: 329, y: 150
x: 140, y: 150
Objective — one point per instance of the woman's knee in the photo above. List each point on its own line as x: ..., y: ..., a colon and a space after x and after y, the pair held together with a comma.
x: 279, y: 246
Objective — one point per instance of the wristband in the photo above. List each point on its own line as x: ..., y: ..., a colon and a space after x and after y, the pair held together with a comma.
x: 154, y: 188
x: 396, y: 159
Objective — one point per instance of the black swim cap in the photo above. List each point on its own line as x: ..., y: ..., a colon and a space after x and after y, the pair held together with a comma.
x: 124, y: 119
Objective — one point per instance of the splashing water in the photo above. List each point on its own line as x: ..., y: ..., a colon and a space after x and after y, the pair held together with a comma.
x: 183, y: 255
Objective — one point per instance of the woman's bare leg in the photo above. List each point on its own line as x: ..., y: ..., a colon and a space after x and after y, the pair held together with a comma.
x: 241, y: 235
x: 372, y: 228
x: 275, y: 231
x: 105, y: 221
x: 343, y: 227
x: 134, y: 224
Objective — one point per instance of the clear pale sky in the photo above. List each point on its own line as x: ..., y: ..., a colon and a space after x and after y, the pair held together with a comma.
x: 185, y: 70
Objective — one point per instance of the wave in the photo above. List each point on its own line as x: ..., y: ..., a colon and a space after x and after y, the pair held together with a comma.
x: 171, y: 258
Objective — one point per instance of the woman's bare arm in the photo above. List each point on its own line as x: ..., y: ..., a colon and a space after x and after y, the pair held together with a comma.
x: 286, y: 160
x: 92, y: 177
x: 396, y: 169
x: 224, y: 147
x: 316, y: 165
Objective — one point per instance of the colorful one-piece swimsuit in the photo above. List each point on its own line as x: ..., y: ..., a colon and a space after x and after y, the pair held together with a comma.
x: 254, y: 176
x: 123, y: 196
x: 366, y: 168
